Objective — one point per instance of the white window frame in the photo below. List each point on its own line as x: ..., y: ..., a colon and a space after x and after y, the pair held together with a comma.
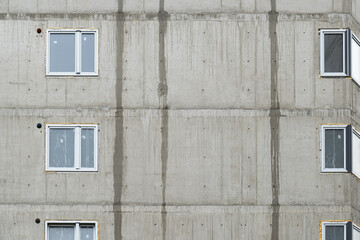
x: 346, y: 33
x: 78, y: 49
x: 323, y: 129
x: 76, y: 224
x: 77, y: 147
x: 332, y: 223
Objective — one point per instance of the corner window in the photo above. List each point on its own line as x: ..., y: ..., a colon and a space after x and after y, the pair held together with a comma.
x: 334, y: 52
x: 70, y: 230
x: 334, y: 148
x: 339, y: 230
x: 71, y: 147
x: 334, y: 230
x: 72, y: 52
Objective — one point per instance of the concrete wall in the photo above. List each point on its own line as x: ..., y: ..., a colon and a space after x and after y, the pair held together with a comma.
x: 209, y: 119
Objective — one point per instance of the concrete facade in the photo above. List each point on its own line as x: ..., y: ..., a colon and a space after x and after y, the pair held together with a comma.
x: 209, y: 114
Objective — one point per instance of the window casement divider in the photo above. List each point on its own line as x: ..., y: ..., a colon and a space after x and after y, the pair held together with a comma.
x: 78, y: 52
x: 77, y: 150
x: 77, y: 231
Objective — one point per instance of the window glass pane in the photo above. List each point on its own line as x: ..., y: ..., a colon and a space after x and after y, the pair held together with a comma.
x: 87, y: 233
x: 61, y: 233
x: 87, y: 148
x: 333, y: 52
x: 334, y: 232
x: 61, y: 147
x: 334, y: 148
x: 62, y: 52
x: 87, y: 52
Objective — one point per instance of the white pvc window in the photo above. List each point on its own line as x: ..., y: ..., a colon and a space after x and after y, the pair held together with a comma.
x: 71, y: 230
x: 333, y: 148
x: 334, y: 52
x: 72, y: 52
x: 334, y: 230
x: 71, y: 147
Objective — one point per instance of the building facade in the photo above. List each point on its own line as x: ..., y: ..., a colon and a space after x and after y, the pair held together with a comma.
x: 164, y: 119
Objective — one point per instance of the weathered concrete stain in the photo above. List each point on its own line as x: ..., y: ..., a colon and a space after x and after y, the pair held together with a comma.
x: 162, y: 93
x: 119, y: 125
x: 274, y: 121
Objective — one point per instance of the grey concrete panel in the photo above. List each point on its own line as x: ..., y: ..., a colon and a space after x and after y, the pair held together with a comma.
x: 193, y: 6
x: 306, y: 66
x: 141, y: 163
x: 248, y: 5
x: 141, y: 61
x: 141, y: 6
x: 306, y: 6
x: 25, y: 49
x: 315, y: 187
x: 19, y: 6
x: 92, y: 6
x: 230, y: 5
x: 26, y: 179
x: 18, y: 221
x: 4, y: 6
x: 218, y: 67
x: 53, y: 6
x: 286, y: 71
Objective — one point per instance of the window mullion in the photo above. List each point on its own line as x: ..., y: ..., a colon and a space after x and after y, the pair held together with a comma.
x: 78, y: 52
x: 77, y: 231
x: 77, y: 146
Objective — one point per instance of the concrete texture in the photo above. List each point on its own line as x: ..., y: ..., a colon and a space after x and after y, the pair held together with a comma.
x: 209, y: 115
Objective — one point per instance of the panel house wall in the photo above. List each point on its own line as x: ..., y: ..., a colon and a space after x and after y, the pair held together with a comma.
x: 209, y: 117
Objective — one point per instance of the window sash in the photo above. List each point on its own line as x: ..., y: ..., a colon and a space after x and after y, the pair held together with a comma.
x: 77, y: 147
x: 345, y: 52
x: 334, y: 127
x: 78, y: 52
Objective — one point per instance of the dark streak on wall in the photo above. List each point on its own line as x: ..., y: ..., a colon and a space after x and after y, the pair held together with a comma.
x: 274, y: 121
x: 119, y: 124
x: 162, y: 93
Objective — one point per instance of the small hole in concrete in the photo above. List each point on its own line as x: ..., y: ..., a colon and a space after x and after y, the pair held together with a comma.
x: 39, y: 125
x: 38, y: 30
x: 37, y: 220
